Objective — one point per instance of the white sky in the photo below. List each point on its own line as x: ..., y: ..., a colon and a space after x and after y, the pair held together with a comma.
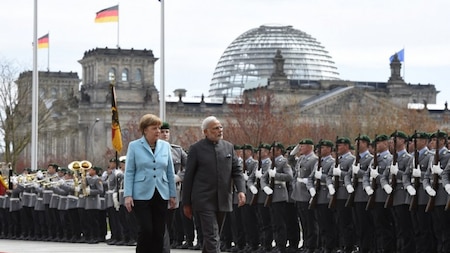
x: 360, y: 35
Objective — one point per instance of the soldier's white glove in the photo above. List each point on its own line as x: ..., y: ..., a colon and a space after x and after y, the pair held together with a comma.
x: 35, y: 185
x: 416, y: 172
x: 394, y: 169
x: 88, y: 190
x: 331, y: 189
x: 302, y: 180
x: 337, y: 171
x: 258, y: 173
x: 312, y: 192
x: 61, y: 181
x: 116, y: 201
x: 436, y: 169
x: 295, y: 150
x: 14, y: 180
x: 447, y: 188
x: 368, y: 190
x: 318, y: 174
x: 268, y: 190
x: 374, y: 173
x: 39, y: 174
x: 253, y: 189
x: 77, y: 188
x: 430, y: 191
x: 272, y: 172
x: 177, y: 179
x: 350, y: 188
x: 411, y: 190
x: 356, y: 168
x: 387, y: 188
x: 245, y: 176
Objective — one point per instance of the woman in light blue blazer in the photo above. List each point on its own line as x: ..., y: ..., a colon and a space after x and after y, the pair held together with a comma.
x: 149, y: 183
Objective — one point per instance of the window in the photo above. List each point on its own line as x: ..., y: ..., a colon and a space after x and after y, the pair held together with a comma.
x: 125, y: 75
x: 138, y: 75
x: 112, y: 74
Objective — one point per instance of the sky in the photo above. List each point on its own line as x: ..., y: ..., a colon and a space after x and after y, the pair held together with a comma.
x: 360, y: 35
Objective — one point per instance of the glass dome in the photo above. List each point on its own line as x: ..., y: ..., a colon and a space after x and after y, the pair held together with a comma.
x: 249, y: 59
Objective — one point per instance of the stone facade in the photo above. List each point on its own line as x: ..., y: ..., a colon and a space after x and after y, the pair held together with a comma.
x: 81, y: 124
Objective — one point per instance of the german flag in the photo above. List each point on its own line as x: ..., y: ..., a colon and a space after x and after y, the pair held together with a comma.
x: 43, y: 41
x: 115, y: 126
x: 110, y: 14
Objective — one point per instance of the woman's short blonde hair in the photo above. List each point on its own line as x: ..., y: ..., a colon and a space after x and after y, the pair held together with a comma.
x: 149, y: 120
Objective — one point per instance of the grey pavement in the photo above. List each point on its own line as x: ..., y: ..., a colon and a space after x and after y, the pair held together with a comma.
x: 20, y: 246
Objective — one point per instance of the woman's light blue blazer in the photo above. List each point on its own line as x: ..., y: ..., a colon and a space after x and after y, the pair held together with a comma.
x: 146, y: 171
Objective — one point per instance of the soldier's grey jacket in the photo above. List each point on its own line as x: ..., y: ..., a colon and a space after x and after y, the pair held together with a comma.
x: 345, y: 163
x: 252, y: 180
x: 424, y: 161
x: 441, y: 194
x: 384, y: 160
x: 282, y: 177
x: 96, y: 188
x: 404, y: 161
x: 303, y: 169
x: 366, y: 158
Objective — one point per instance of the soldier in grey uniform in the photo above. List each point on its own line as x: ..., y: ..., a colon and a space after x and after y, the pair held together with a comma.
x: 51, y: 203
x: 423, y: 229
x: 249, y: 212
x: 400, y: 208
x: 112, y: 202
x: 281, y: 174
x: 438, y: 214
x: 325, y: 215
x: 382, y: 218
x: 92, y: 206
x: 127, y: 220
x: 175, y: 217
x: 265, y: 225
x: 303, y: 170
x: 345, y: 224
x: 363, y: 221
x: 63, y: 189
x: 292, y: 223
x: 446, y: 215
x: 28, y: 201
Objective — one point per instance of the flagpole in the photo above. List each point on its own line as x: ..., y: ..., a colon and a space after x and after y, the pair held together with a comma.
x: 48, y: 52
x: 34, y: 98
x: 404, y: 65
x: 118, y: 45
x: 162, y: 97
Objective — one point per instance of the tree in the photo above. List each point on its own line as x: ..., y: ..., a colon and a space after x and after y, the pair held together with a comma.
x: 15, y: 113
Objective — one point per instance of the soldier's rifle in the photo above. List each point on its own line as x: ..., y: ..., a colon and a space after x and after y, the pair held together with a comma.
x: 351, y: 196
x: 313, y: 200
x: 371, y: 201
x: 390, y: 198
x: 333, y: 198
x: 269, y: 198
x: 10, y: 175
x: 435, y: 183
x: 414, y: 199
x: 254, y: 200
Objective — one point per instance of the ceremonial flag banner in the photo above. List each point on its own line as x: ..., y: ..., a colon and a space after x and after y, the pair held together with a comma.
x: 110, y: 14
x: 43, y: 41
x: 400, y: 55
x: 116, y: 134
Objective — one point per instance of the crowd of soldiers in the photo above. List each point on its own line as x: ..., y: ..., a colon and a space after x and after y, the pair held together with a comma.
x: 389, y: 194
x: 73, y: 204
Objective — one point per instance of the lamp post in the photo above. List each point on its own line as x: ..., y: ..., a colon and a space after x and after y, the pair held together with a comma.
x: 89, y: 140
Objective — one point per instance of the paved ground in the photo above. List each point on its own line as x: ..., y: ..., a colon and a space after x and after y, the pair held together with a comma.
x: 19, y: 246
